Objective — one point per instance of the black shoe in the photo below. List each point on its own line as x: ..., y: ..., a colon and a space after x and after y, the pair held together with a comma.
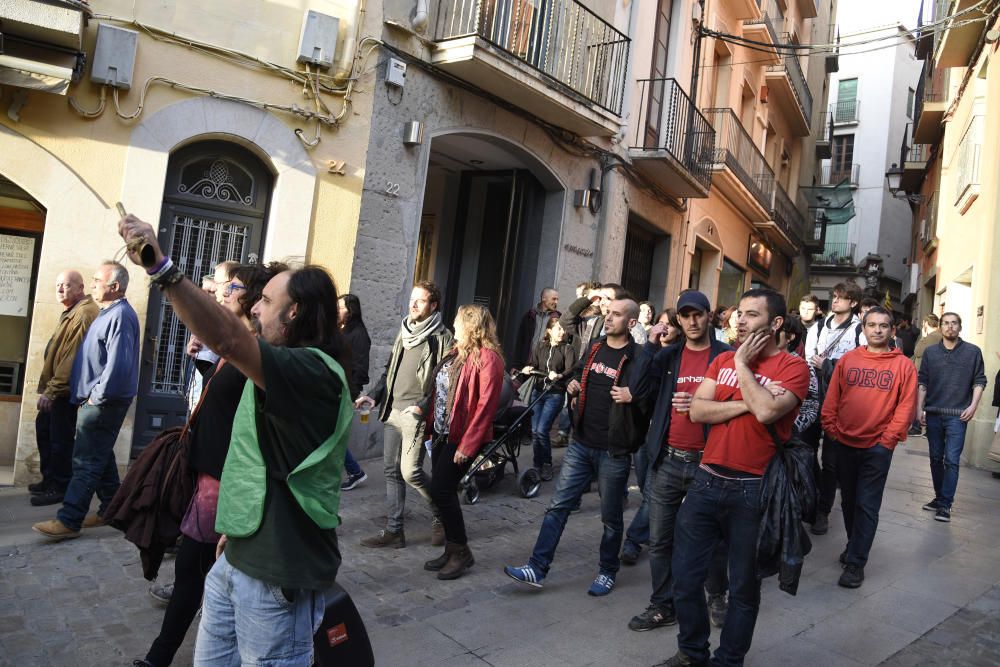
x: 630, y: 553
x: 38, y: 487
x: 545, y: 472
x: 852, y: 577
x: 353, y: 480
x: 821, y: 525
x: 142, y: 663
x: 932, y: 506
x: 914, y: 431
x: 943, y: 514
x: 47, y: 497
x: 652, y: 618
x: 681, y: 659
x: 843, y: 558
x: 995, y: 474
x: 717, y: 608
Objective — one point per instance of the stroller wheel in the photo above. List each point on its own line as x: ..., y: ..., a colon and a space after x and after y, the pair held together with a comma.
x: 470, y: 494
x: 529, y: 483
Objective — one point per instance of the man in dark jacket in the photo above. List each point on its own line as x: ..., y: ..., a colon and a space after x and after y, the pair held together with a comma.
x: 612, y: 386
x: 674, y: 446
x: 533, y: 325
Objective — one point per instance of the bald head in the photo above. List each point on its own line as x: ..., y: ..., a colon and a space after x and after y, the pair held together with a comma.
x: 69, y: 287
x: 549, y: 300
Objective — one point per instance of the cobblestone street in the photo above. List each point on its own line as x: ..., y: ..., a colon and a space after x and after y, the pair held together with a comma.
x: 931, y: 594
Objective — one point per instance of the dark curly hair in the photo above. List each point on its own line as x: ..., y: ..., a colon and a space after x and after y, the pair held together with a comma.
x: 254, y: 277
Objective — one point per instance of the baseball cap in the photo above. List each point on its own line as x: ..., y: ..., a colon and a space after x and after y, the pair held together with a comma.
x: 693, y: 299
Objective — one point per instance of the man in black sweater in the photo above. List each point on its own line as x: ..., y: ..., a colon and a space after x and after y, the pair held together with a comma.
x: 951, y: 381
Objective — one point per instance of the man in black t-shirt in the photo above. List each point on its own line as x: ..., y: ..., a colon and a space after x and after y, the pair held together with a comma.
x: 612, y: 390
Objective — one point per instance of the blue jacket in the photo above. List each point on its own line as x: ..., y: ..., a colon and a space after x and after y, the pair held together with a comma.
x: 664, y: 369
x: 106, y: 367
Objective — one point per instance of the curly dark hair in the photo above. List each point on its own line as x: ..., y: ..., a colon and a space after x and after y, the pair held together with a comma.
x: 254, y: 277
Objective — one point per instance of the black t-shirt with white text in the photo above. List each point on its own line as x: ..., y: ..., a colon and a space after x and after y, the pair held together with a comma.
x: 601, y: 376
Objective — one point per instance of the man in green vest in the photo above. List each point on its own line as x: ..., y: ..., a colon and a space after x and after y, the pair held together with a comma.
x: 280, y: 489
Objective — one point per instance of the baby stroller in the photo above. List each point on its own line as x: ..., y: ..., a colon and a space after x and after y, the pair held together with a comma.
x: 511, y: 429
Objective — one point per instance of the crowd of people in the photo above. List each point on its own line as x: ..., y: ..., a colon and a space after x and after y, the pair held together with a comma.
x: 697, y: 400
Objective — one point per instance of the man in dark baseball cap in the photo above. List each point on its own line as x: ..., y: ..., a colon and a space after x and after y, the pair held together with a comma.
x: 673, y: 446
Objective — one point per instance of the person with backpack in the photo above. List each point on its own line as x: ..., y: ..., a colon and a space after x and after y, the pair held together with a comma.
x: 839, y: 333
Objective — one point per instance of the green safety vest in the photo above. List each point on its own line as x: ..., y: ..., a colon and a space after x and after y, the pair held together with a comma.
x: 315, y: 483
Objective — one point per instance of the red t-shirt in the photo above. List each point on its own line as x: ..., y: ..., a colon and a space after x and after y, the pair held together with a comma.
x: 743, y: 443
x: 685, y: 434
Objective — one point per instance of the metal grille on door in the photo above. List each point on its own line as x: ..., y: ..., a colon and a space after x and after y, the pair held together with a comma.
x: 199, y: 244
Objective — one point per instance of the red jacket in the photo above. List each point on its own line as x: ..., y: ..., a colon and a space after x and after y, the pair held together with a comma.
x: 476, y: 398
x: 871, y: 399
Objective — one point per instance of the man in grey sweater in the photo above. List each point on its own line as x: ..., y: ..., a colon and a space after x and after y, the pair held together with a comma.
x: 951, y: 381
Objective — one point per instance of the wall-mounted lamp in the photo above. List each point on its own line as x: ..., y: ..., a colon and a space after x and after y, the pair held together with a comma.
x: 894, y: 180
x: 413, y: 133
x: 591, y: 197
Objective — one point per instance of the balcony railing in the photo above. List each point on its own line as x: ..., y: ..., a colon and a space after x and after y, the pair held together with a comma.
x: 562, y: 39
x: 836, y: 173
x: 669, y: 120
x: 918, y: 153
x: 735, y: 149
x: 846, y: 111
x: 800, y: 88
x: 788, y: 216
x: 969, y: 154
x: 835, y: 254
x: 770, y: 14
x: 928, y: 226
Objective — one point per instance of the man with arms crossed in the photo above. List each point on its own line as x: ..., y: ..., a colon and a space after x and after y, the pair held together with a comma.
x: 723, y: 501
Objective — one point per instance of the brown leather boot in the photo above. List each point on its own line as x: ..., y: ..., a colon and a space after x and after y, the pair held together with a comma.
x: 436, y: 564
x: 437, y: 533
x: 385, y: 538
x: 459, y: 560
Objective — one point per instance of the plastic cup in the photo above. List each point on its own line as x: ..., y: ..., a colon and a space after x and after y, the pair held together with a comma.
x: 363, y: 415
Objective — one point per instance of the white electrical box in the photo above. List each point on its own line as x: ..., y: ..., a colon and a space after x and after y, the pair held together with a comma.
x: 318, y: 40
x: 395, y: 73
x: 114, y: 56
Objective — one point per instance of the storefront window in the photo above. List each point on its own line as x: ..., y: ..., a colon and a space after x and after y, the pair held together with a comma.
x: 731, y: 282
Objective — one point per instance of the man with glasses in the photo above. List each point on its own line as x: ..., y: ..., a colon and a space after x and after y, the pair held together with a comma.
x: 951, y: 381
x: 421, y: 343
x: 103, y: 383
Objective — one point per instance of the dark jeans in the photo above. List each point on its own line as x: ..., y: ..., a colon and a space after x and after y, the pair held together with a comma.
x: 94, y: 467
x: 717, y: 509
x: 579, y: 466
x: 194, y: 560
x: 445, y: 475
x: 862, y: 474
x: 946, y: 438
x: 828, y: 476
x: 56, y: 431
x: 666, y: 487
x: 542, y: 417
x: 350, y: 464
x: 638, y: 529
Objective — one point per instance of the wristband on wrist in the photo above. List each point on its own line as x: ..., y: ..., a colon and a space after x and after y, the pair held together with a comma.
x: 168, y: 275
x: 159, y: 266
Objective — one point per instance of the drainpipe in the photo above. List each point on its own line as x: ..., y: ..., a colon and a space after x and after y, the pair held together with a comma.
x: 696, y: 63
x: 419, y: 21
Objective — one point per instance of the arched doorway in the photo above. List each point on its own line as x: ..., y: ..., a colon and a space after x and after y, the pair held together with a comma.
x: 214, y: 207
x: 490, y: 227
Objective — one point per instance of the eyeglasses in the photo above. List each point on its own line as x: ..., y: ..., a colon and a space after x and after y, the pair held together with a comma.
x: 230, y: 288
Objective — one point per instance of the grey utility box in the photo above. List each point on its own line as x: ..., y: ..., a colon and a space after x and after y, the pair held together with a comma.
x: 318, y: 41
x: 114, y: 56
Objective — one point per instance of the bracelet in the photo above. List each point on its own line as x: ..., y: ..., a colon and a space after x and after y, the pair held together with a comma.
x: 168, y: 277
x: 159, y: 267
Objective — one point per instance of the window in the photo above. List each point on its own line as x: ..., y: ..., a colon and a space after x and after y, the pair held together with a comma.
x: 843, y: 158
x: 846, y: 109
x: 658, y: 73
x: 910, y: 99
x: 647, y: 255
x: 730, y: 284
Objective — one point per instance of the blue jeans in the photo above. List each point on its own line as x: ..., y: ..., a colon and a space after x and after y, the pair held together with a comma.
x: 245, y: 621
x: 638, y: 529
x: 717, y: 509
x: 94, y: 467
x: 946, y: 437
x: 666, y: 487
x: 542, y: 417
x: 861, y: 474
x: 350, y: 464
x: 579, y: 466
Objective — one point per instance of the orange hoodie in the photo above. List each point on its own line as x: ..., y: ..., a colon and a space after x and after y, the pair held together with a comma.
x: 871, y: 399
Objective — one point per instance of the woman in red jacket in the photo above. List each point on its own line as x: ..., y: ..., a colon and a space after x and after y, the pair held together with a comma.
x: 460, y: 404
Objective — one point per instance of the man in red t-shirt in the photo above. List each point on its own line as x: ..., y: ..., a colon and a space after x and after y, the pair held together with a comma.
x: 673, y: 446
x: 742, y: 393
x: 868, y: 409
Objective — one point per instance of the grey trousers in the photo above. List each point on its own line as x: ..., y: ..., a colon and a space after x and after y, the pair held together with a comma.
x: 403, y: 457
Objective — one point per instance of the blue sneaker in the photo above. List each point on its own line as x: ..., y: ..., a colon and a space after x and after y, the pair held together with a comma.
x: 526, y: 574
x: 602, y: 585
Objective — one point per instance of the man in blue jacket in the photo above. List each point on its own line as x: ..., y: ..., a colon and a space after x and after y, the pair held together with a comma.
x: 674, y: 446
x: 103, y: 383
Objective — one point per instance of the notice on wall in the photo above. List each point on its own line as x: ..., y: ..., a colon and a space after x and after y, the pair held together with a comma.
x: 17, y: 255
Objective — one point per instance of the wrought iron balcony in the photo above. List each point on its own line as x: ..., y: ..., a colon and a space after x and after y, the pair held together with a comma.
x: 41, y: 44
x: 824, y: 140
x: 736, y: 153
x: 788, y: 218
x: 835, y: 255
x: 766, y: 27
x: 673, y: 141
x: 834, y: 174
x: 846, y: 111
x: 789, y: 82
x: 568, y: 47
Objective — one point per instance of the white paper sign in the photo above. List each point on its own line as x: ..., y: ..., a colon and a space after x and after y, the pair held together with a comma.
x: 17, y: 255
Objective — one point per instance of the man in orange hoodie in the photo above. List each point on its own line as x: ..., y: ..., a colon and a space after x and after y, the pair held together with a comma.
x: 867, y: 411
